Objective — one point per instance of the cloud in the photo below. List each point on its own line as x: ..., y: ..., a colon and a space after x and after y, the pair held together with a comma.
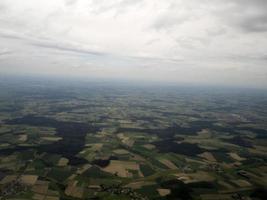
x: 248, y: 16
x: 69, y: 48
x: 117, y: 6
x: 4, y: 52
x: 70, y: 2
x: 171, y: 40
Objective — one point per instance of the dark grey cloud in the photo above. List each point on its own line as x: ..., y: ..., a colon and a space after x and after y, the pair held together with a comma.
x: 254, y: 23
x: 246, y: 15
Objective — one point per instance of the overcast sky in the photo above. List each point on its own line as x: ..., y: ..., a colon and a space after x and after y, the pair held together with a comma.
x: 184, y: 41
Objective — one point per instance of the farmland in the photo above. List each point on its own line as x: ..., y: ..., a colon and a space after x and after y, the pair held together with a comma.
x: 95, y: 141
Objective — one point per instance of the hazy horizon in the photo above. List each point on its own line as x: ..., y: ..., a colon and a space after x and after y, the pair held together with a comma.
x: 215, y: 43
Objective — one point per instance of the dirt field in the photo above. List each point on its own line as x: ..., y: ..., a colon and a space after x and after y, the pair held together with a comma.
x: 241, y: 183
x: 40, y: 187
x: 139, y: 184
x: 163, y: 192
x: 168, y: 164
x: 236, y: 157
x: 95, y: 146
x: 195, y: 177
x: 83, y: 168
x: 23, y: 138
x: 29, y: 179
x: 62, y: 162
x: 226, y: 185
x: 39, y: 197
x: 149, y: 146
x: 121, y: 168
x: 74, y: 191
x: 125, y: 140
x: 51, y: 139
x: 121, y: 151
x: 208, y: 156
x: 8, y: 179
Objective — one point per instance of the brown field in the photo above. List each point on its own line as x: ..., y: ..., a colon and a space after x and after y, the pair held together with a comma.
x: 83, y: 168
x: 241, y: 183
x: 23, y: 137
x: 168, y: 164
x: 189, y: 160
x: 163, y: 192
x: 149, y: 146
x: 121, y: 151
x: 139, y: 184
x: 74, y: 191
x: 51, y: 139
x: 44, y: 197
x: 137, y: 157
x: 62, y: 162
x: 51, y: 198
x: 195, y: 177
x: 216, y: 197
x: 95, y: 146
x: 236, y: 156
x: 3, y: 145
x: 204, y: 133
x: 72, y: 177
x: 8, y: 179
x: 125, y: 140
x: 40, y: 187
x: 52, y: 193
x: 39, y: 197
x: 259, y: 150
x: 208, y: 156
x: 121, y: 168
x: 225, y: 185
x: 28, y: 179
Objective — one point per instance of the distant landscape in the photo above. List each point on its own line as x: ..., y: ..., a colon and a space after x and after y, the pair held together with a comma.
x: 89, y: 140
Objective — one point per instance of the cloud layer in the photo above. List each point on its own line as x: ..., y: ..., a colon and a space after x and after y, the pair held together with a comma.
x: 183, y: 41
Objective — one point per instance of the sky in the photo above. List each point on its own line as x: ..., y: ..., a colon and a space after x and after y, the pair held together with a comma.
x: 214, y: 42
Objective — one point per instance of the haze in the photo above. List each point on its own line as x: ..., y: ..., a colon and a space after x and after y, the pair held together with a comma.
x: 182, y: 41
